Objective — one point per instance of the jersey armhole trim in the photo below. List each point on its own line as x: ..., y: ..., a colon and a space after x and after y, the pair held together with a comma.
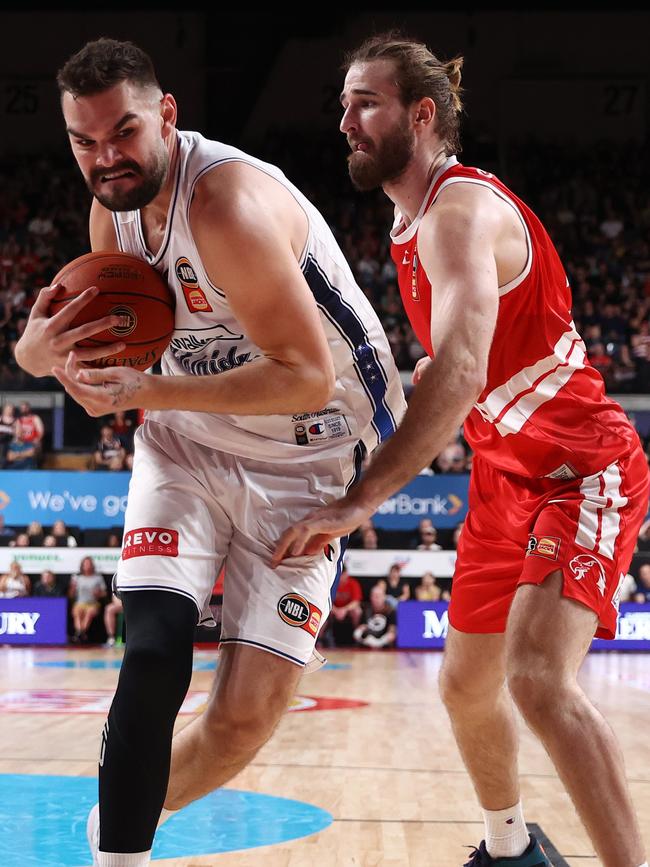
x: 508, y: 287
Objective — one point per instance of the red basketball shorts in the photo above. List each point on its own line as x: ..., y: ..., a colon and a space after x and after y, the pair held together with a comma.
x: 519, y: 531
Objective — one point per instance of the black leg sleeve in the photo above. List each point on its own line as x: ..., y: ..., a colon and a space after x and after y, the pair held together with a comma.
x: 136, y: 746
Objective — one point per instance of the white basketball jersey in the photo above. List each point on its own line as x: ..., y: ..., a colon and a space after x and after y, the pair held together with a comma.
x: 368, y: 401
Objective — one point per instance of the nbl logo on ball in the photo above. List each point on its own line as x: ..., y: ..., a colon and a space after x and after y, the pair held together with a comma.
x: 129, y: 321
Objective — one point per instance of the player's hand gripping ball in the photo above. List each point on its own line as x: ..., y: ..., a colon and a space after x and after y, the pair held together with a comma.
x: 130, y: 288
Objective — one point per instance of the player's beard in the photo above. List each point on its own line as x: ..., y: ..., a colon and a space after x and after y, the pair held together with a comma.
x: 151, y: 179
x: 386, y: 160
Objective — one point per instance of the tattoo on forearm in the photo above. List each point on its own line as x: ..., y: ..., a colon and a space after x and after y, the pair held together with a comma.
x: 123, y: 392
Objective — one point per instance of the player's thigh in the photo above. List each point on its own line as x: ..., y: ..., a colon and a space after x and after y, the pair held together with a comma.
x: 280, y: 610
x: 548, y: 633
x: 176, y: 532
x: 252, y: 688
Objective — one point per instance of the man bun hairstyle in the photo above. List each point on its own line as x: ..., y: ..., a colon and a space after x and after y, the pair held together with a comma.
x: 102, y: 64
x: 419, y: 74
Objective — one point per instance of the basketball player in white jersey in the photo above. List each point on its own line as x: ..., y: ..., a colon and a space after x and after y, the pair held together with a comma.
x: 559, y: 483
x: 277, y: 382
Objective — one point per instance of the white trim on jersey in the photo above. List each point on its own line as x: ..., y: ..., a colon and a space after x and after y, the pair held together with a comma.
x: 599, y: 520
x: 510, y: 405
x: 401, y: 237
x: 508, y: 287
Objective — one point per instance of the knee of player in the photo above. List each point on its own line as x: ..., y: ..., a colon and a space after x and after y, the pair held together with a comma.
x: 464, y: 688
x: 535, y: 688
x: 245, y: 719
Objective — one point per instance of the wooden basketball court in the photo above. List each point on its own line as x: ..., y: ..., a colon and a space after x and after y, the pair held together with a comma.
x: 387, y: 771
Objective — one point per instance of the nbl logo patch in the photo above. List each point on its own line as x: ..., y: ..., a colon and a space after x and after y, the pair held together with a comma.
x: 295, y: 610
x: 194, y: 295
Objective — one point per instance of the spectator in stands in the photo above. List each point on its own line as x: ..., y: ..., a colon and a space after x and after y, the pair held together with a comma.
x: 7, y: 535
x: 346, y: 608
x: 31, y: 427
x: 46, y: 585
x: 110, y: 453
x: 451, y: 459
x: 7, y: 429
x: 21, y: 455
x: 369, y: 539
x: 21, y: 541
x: 397, y: 587
x: 424, y: 525
x: 49, y: 541
x: 124, y: 428
x: 111, y: 611
x: 644, y: 537
x: 458, y: 529
x: 36, y: 534
x: 87, y: 588
x: 428, y: 536
x: 15, y: 583
x: 428, y: 589
x: 377, y: 628
x: 627, y: 589
x: 643, y: 584
x: 113, y: 540
x: 64, y: 539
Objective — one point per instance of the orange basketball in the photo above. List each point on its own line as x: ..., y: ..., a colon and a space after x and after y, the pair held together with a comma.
x: 129, y: 287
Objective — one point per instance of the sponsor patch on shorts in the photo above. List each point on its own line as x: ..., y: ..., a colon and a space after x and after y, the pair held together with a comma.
x: 544, y: 546
x: 295, y: 610
x: 150, y: 541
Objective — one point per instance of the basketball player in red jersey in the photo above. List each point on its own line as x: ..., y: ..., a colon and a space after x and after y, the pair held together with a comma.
x: 559, y: 483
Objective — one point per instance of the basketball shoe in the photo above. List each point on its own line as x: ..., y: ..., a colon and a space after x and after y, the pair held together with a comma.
x: 533, y: 857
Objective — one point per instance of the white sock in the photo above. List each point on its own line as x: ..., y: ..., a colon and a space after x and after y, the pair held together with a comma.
x: 123, y: 859
x: 164, y: 815
x: 645, y: 864
x: 506, y: 835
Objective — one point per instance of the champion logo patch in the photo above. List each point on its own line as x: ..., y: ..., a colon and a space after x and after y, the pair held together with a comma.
x: 296, y: 611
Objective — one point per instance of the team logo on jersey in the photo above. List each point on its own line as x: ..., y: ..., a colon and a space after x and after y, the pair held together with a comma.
x: 194, y: 295
x: 150, y: 541
x: 415, y: 295
x: 295, y: 610
x: 129, y: 320
x: 585, y: 566
x: 544, y: 546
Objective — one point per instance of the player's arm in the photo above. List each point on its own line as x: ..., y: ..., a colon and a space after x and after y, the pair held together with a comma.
x: 456, y: 245
x: 245, y: 226
x: 47, y: 340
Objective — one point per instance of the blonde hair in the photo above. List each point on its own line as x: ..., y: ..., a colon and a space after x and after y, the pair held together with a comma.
x: 419, y: 74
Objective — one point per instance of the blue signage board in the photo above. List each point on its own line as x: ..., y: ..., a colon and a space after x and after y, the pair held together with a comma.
x: 81, y: 499
x: 33, y: 620
x: 425, y: 624
x: 442, y: 498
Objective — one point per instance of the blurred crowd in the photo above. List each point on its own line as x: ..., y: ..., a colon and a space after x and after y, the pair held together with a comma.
x: 592, y: 202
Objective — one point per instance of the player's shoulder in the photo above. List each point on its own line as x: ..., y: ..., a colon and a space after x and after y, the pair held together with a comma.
x: 465, y: 206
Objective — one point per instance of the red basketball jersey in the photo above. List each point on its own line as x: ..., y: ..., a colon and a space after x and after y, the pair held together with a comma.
x: 544, y: 411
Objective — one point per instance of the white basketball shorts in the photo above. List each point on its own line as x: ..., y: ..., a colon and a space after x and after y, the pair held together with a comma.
x: 191, y: 509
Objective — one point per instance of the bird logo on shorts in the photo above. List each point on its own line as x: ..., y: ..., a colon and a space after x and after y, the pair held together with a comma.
x: 585, y: 566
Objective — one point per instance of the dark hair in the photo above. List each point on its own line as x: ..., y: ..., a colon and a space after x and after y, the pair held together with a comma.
x: 419, y: 73
x: 102, y: 64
